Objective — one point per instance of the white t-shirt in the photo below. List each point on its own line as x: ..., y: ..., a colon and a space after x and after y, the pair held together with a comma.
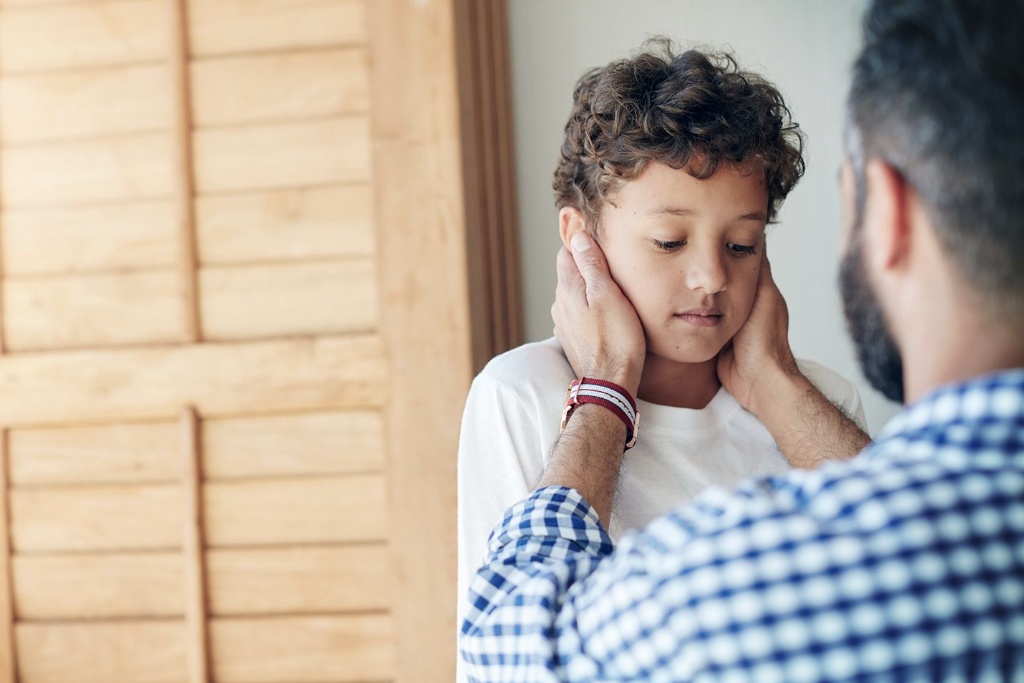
x: 512, y: 420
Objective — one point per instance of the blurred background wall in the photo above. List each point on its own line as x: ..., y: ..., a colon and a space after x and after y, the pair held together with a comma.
x: 804, y: 46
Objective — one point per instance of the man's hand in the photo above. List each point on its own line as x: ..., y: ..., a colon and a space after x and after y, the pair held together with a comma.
x: 758, y: 368
x: 759, y: 356
x: 602, y: 338
x: 594, y: 321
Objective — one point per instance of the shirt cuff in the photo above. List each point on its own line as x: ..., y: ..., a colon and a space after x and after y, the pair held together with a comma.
x: 544, y: 545
x: 554, y: 512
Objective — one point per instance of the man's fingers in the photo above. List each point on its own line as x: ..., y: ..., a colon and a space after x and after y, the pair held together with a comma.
x: 765, y: 279
x: 590, y: 262
x: 569, y: 278
x: 766, y: 265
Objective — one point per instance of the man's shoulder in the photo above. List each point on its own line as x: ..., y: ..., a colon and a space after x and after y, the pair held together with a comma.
x: 885, y: 497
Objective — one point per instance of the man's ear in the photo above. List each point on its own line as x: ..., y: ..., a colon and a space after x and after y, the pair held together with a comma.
x: 886, y: 216
x: 570, y: 222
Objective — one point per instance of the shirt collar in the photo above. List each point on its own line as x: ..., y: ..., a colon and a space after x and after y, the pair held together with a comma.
x: 995, y: 397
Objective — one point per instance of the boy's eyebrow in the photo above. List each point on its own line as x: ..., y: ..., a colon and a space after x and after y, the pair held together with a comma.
x: 672, y: 211
x: 759, y: 216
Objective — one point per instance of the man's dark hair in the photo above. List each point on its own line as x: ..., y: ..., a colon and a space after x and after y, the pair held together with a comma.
x: 693, y: 110
x: 938, y: 92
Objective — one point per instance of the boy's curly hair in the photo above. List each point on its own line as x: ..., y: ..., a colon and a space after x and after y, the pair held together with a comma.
x: 693, y: 110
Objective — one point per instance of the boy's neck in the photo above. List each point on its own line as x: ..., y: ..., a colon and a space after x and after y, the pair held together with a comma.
x: 680, y: 385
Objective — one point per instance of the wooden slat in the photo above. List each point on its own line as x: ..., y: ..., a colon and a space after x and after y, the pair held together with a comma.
x: 282, y: 155
x: 252, y: 302
x: 106, y: 586
x: 82, y: 34
x: 182, y: 159
x: 96, y: 518
x: 299, y: 580
x: 280, y: 87
x: 279, y: 225
x: 417, y: 165
x: 304, y: 649
x: 92, y: 238
x: 309, y: 510
x: 306, y: 443
x: 3, y: 331
x: 233, y: 26
x: 91, y: 172
x: 143, y: 452
x: 76, y: 311
x: 196, y: 636
x: 35, y: 3
x: 8, y: 652
x: 104, y: 101
x: 219, y: 379
x: 96, y: 652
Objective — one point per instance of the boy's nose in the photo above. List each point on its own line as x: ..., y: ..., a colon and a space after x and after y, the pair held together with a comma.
x: 707, y: 273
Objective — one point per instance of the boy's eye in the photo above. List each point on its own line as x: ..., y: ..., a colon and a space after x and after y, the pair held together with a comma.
x: 669, y: 246
x: 742, y: 249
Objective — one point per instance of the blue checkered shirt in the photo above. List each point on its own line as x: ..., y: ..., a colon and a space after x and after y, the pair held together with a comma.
x: 905, y: 563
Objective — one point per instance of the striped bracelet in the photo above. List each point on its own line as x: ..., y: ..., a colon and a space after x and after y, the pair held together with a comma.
x: 606, y: 394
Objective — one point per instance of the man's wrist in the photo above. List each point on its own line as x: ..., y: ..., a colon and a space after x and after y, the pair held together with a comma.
x: 587, y: 457
x: 775, y: 392
x: 626, y: 375
x: 609, y: 395
x: 806, y: 425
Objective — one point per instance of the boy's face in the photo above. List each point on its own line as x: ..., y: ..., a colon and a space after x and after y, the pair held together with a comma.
x: 687, y: 253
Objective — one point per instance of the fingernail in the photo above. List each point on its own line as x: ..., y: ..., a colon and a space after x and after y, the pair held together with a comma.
x: 580, y: 242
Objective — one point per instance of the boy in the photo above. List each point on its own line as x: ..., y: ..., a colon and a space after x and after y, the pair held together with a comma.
x: 674, y: 164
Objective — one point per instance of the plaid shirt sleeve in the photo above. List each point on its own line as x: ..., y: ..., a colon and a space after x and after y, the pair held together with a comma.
x: 543, y: 546
x: 552, y: 605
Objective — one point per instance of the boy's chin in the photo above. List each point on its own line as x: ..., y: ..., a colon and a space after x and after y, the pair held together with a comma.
x: 692, y: 356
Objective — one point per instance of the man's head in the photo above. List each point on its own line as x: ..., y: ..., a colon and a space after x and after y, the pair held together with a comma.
x: 937, y: 108
x: 675, y: 163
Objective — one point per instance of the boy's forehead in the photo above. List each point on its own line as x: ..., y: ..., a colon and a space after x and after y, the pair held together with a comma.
x: 664, y: 185
x: 731, y: 194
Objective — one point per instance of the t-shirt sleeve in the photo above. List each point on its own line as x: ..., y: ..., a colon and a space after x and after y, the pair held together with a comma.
x: 500, y: 460
x: 837, y: 389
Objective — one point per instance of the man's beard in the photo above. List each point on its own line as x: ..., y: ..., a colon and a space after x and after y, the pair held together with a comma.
x: 877, y: 352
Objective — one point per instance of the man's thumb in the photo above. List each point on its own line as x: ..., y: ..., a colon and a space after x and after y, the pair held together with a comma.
x: 589, y: 260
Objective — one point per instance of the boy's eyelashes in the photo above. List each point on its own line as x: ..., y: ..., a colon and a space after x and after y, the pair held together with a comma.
x: 670, y: 245
x: 742, y: 249
x: 674, y: 245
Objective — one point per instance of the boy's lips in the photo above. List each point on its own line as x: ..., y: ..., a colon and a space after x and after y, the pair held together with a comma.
x: 702, y: 317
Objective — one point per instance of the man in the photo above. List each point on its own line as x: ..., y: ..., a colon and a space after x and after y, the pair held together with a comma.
x: 904, y: 563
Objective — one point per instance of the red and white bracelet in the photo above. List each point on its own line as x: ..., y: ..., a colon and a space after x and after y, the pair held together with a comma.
x: 606, y: 394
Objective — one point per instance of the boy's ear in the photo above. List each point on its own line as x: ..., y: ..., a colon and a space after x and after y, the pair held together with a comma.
x: 570, y: 222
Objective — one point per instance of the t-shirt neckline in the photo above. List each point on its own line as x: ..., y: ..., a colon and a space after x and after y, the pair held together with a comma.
x: 722, y: 407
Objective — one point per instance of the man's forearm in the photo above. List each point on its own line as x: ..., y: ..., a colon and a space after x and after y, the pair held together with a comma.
x: 588, y: 457
x: 808, y: 428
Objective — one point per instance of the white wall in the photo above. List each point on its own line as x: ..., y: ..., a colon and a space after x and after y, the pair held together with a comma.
x: 804, y: 46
